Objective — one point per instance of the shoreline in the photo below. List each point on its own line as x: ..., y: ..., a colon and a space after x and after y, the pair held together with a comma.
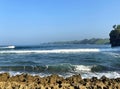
x: 27, y: 81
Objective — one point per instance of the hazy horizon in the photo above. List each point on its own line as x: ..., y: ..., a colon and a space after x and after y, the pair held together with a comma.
x: 26, y: 22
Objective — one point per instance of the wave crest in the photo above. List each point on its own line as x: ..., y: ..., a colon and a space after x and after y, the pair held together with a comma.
x: 60, y: 50
x: 8, y: 47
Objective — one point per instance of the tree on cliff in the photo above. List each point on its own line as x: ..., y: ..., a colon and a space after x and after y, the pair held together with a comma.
x: 115, y: 36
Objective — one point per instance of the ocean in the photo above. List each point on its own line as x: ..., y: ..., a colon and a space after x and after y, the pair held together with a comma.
x: 62, y: 59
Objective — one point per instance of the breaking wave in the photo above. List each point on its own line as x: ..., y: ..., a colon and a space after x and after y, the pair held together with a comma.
x: 59, y: 68
x: 61, y: 50
x: 48, y: 68
x: 7, y: 47
x: 64, y: 70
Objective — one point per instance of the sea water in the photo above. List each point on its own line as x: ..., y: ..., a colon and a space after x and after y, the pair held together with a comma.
x: 62, y: 59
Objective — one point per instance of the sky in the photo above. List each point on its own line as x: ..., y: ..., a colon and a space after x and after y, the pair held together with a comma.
x: 36, y: 21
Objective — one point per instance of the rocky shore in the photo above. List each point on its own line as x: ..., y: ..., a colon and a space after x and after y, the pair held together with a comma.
x: 26, y: 81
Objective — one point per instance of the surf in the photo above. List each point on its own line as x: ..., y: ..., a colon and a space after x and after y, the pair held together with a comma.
x: 65, y: 70
x: 7, y: 47
x: 60, y: 50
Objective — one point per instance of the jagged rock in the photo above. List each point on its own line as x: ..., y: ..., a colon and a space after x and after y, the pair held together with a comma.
x: 115, y: 36
x: 4, y: 76
x: 26, y: 81
x: 74, y: 79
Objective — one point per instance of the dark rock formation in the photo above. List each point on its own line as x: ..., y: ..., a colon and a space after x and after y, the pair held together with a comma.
x: 115, y: 36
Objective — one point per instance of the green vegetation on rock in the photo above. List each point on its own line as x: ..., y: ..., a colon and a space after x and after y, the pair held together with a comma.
x: 115, y: 36
x: 95, y: 41
x: 85, y: 41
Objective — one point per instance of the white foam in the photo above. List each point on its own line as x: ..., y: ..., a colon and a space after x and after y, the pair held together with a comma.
x: 79, y: 68
x: 61, y: 50
x: 51, y: 51
x: 99, y: 75
x: 83, y: 75
x: 8, y: 47
x: 11, y: 47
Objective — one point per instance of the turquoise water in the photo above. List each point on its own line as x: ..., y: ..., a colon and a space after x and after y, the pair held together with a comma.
x: 61, y: 59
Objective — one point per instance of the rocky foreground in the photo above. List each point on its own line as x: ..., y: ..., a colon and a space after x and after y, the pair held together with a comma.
x: 26, y: 81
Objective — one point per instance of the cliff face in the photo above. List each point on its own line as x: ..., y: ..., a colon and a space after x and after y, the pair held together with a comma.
x: 115, y: 36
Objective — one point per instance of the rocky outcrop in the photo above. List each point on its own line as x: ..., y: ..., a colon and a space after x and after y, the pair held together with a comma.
x: 26, y: 81
x: 115, y: 36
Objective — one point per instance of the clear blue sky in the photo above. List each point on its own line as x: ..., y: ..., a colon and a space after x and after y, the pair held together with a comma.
x: 36, y: 21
